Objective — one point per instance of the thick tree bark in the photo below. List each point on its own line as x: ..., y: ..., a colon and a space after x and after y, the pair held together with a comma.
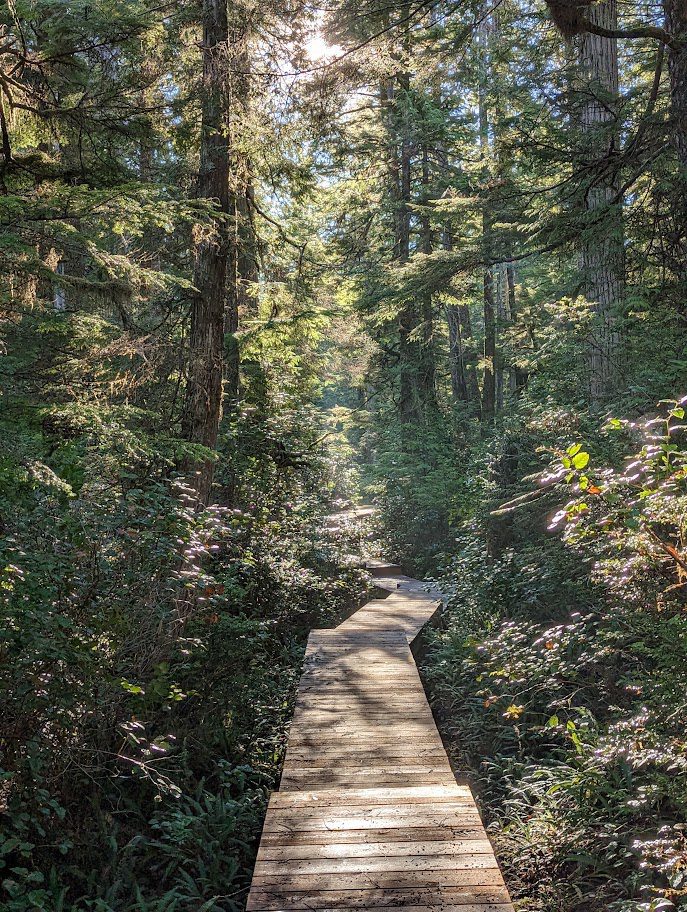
x: 393, y: 97
x: 676, y: 26
x: 601, y: 256
x: 203, y: 401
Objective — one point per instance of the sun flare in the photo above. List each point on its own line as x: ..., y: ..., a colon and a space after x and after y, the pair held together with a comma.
x: 319, y: 50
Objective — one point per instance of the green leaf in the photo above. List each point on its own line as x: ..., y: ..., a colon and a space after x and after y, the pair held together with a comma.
x: 8, y: 846
x: 131, y: 688
x: 580, y: 460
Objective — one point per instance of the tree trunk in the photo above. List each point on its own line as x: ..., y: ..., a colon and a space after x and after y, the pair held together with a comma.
x: 407, y: 320
x: 456, y: 358
x: 519, y: 377
x: 602, y: 260
x: 676, y: 25
x: 427, y: 371
x: 470, y: 356
x: 502, y: 320
x: 489, y: 376
x: 243, y: 264
x: 393, y: 98
x: 462, y: 357
x: 203, y: 400
x: 386, y: 101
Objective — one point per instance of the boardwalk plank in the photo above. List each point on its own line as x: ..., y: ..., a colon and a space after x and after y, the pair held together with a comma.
x: 369, y: 814
x: 360, y: 901
x: 302, y: 816
x: 366, y: 849
x: 370, y: 864
x: 361, y: 761
x: 358, y: 806
x: 325, y: 777
x: 476, y: 899
x: 310, y: 905
x: 476, y: 877
x: 364, y: 796
x: 378, y: 821
x: 398, y: 834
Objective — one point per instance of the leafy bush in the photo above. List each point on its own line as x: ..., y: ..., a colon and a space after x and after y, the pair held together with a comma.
x: 137, y: 753
x: 565, y: 663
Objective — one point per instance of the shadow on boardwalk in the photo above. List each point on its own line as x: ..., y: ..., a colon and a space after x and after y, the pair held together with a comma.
x: 369, y: 814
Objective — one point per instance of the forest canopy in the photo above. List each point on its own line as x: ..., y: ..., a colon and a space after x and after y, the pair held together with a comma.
x: 261, y: 259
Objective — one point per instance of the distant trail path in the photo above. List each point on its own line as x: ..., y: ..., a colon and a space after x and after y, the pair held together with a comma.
x: 369, y: 815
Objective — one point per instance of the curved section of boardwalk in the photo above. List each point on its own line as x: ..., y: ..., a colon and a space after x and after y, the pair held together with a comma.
x: 369, y: 815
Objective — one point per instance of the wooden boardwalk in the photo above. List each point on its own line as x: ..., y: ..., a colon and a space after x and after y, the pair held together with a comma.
x: 369, y: 814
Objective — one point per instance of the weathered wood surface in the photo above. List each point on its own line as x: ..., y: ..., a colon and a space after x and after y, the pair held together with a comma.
x: 369, y: 814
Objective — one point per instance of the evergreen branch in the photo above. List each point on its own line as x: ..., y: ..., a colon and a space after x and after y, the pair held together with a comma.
x: 654, y: 32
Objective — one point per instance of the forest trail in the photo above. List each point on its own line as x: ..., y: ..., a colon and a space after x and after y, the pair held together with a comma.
x: 369, y: 814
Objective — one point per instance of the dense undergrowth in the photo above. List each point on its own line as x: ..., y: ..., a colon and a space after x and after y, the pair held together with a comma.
x: 137, y: 757
x: 560, y: 671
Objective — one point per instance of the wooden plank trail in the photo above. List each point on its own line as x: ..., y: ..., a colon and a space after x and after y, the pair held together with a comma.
x: 369, y: 815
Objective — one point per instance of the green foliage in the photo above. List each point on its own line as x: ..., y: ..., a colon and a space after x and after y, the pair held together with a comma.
x: 113, y: 745
x: 149, y: 649
x: 583, y: 719
x: 418, y: 482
